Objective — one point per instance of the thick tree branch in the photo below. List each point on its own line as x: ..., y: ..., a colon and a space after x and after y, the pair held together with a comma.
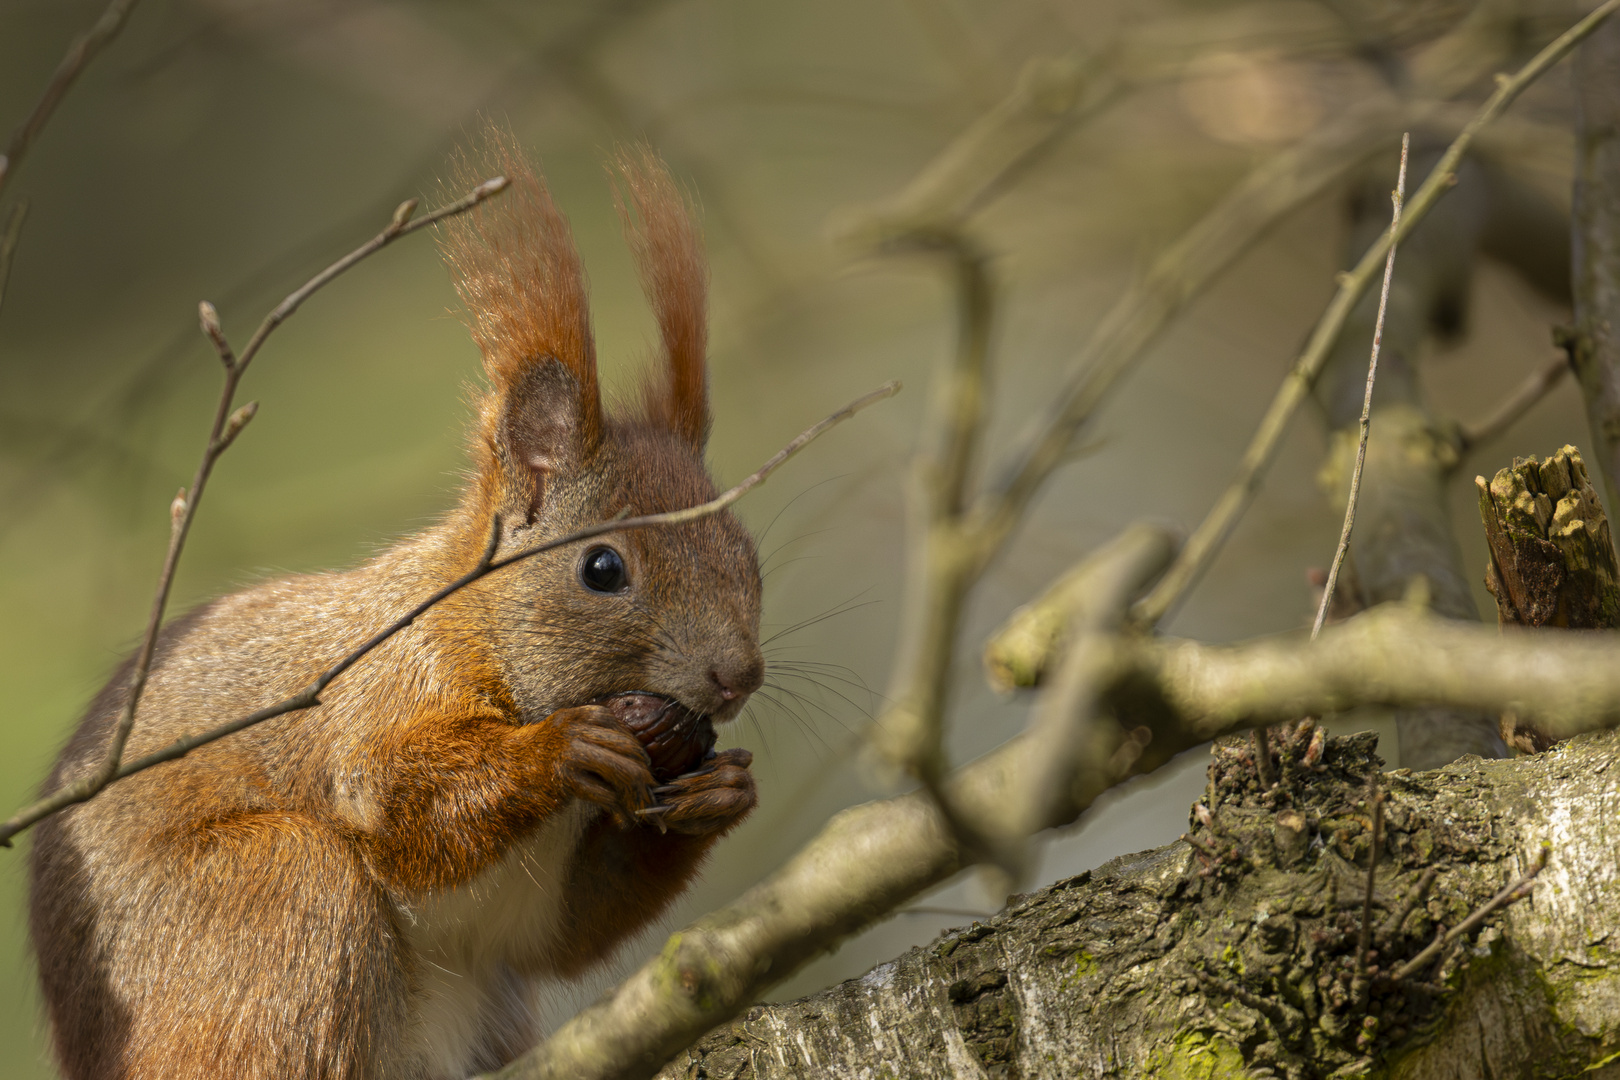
x: 1395, y: 655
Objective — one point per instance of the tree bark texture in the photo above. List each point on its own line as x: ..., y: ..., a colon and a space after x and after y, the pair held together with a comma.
x: 1595, y: 345
x: 1230, y: 953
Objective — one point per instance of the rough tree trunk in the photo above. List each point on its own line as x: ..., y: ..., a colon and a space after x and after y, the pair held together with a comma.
x: 1231, y: 955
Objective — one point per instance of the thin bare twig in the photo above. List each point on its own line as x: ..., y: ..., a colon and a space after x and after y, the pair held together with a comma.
x: 1510, y: 895
x: 79, y: 54
x: 1262, y: 738
x: 1051, y: 95
x: 1397, y: 197
x: 1279, y: 1012
x: 8, y: 244
x: 1213, y: 531
x: 227, y: 424
x: 1413, y: 899
x: 1364, y: 939
x: 1262, y: 759
x: 1516, y: 404
x: 309, y: 696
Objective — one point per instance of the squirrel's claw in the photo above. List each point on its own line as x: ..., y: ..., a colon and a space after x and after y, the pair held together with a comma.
x: 711, y: 799
x: 605, y: 763
x: 656, y: 815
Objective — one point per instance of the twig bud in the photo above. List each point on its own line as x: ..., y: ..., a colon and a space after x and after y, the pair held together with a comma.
x: 238, y: 420
x: 177, y: 510
x: 402, y: 214
x: 493, y: 186
x: 209, y: 319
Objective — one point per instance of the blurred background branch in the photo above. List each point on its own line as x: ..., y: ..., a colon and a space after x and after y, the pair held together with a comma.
x: 83, y: 49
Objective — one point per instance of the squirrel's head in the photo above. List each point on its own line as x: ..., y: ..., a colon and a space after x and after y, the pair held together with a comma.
x: 670, y: 610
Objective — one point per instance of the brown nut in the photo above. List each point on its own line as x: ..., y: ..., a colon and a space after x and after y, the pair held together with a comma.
x: 675, y: 738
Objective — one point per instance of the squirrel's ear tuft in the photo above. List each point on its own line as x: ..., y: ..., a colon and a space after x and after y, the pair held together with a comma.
x: 658, y: 223
x: 519, y: 278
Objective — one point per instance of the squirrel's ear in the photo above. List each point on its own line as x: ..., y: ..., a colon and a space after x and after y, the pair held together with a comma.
x: 658, y: 223
x: 523, y: 290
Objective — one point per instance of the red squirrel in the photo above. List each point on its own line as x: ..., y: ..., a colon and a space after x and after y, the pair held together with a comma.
x: 372, y: 888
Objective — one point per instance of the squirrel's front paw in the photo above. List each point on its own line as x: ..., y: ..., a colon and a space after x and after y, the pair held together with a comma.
x: 710, y: 799
x: 605, y: 763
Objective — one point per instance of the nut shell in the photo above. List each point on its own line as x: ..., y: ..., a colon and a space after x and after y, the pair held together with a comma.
x: 675, y: 738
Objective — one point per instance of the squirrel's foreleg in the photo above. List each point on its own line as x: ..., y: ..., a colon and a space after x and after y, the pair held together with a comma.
x: 457, y: 793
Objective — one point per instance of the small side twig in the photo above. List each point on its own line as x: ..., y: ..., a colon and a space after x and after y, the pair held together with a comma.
x: 1204, y: 847
x: 1050, y: 97
x: 79, y: 54
x: 1537, y: 386
x: 1413, y: 899
x: 1359, y: 983
x: 227, y: 424
x: 1510, y: 895
x: 1397, y: 197
x: 8, y: 244
x: 309, y: 696
x: 1262, y: 759
x: 1285, y: 1017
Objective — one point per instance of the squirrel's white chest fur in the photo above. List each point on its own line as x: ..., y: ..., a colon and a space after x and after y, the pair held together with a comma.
x: 472, y: 942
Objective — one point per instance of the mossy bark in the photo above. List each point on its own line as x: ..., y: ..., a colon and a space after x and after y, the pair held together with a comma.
x: 1231, y: 953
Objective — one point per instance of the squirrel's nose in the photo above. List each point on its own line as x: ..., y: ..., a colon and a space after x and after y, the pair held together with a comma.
x: 738, y: 678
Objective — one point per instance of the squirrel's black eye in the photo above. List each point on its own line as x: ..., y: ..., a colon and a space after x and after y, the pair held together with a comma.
x: 603, y: 571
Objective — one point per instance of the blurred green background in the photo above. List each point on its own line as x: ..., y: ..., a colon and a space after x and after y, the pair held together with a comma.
x: 227, y: 149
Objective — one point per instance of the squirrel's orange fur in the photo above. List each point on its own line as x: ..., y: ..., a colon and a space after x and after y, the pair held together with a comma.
x: 370, y: 888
